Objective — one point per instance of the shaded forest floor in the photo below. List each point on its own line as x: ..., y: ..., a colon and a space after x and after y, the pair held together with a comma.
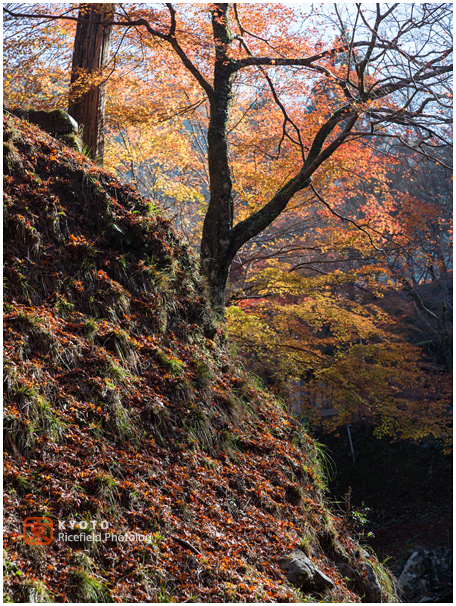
x: 395, y: 540
x: 407, y: 488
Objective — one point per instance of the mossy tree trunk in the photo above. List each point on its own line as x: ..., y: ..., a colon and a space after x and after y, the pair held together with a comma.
x: 87, y: 98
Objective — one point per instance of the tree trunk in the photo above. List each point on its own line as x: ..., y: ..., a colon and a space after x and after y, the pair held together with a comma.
x: 87, y: 98
x: 216, y: 242
x: 221, y: 239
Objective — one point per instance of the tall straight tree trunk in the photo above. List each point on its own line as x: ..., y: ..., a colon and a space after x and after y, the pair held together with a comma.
x: 87, y: 97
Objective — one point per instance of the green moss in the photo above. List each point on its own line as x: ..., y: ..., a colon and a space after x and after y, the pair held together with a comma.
x: 123, y: 424
x: 91, y: 328
x: 114, y: 371
x: 204, y: 374
x: 74, y: 141
x: 62, y: 306
x: 8, y: 148
x: 35, y: 592
x: 19, y: 435
x: 171, y: 363
x: 22, y: 431
x: 86, y: 588
x: 385, y: 579
x: 56, y: 115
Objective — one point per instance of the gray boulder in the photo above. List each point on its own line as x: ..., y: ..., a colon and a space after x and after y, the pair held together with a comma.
x: 301, y: 571
x: 55, y: 122
x: 410, y: 581
x: 427, y: 576
x: 363, y: 579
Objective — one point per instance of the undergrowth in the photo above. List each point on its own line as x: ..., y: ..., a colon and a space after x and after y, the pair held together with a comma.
x: 124, y: 410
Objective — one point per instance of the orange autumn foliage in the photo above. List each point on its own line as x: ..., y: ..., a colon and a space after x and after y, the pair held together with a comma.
x: 350, y: 224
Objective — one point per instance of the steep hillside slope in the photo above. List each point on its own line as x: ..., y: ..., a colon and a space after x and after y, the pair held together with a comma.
x: 167, y: 474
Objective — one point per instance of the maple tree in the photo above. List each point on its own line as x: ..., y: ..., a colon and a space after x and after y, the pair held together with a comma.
x: 338, y: 360
x: 217, y: 158
x: 347, y: 328
x: 118, y: 400
x: 380, y: 72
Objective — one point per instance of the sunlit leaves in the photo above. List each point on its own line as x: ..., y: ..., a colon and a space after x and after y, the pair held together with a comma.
x: 327, y: 345
x: 133, y: 417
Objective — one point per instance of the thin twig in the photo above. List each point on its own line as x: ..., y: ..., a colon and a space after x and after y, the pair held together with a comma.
x: 186, y: 544
x: 336, y: 214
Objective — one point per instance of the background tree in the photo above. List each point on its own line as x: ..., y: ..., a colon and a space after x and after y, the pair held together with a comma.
x: 346, y: 332
x: 87, y: 95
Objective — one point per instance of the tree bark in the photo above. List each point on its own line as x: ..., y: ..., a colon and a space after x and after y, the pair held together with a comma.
x: 87, y: 97
x: 216, y: 256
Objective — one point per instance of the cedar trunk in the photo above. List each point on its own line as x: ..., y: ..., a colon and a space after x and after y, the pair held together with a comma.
x: 88, y: 88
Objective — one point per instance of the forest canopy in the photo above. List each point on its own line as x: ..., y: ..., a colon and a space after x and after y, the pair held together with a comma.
x: 305, y: 153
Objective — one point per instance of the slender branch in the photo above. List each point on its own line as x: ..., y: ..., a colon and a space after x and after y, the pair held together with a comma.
x: 65, y: 17
x: 287, y: 119
x: 423, y: 153
x: 253, y: 225
x: 299, y: 62
x: 186, y: 544
x: 401, y: 83
x: 347, y: 219
x: 169, y: 37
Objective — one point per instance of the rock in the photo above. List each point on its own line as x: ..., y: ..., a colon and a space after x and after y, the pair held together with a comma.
x: 373, y: 592
x: 362, y: 579
x: 414, y: 566
x: 410, y: 582
x: 73, y: 141
x: 301, y: 571
x: 54, y: 122
x: 426, y: 576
